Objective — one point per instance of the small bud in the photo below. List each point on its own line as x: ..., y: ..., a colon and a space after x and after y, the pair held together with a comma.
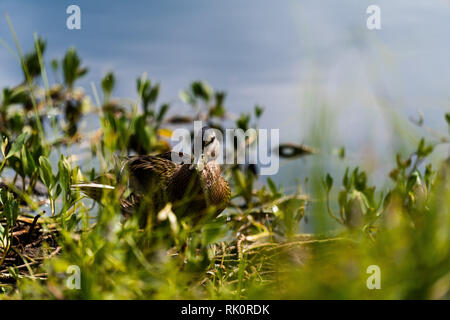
x: 356, y: 209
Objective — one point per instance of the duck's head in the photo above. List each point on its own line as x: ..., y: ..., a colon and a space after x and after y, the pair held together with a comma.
x: 210, y: 148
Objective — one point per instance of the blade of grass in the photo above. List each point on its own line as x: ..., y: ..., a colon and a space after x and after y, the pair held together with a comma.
x: 9, y: 49
x: 28, y: 80
x: 97, y: 102
x: 49, y: 101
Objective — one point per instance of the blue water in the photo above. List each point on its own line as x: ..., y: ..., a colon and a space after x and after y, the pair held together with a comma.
x: 293, y: 57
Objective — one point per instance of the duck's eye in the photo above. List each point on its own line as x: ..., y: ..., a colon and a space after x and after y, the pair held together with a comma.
x: 210, y: 141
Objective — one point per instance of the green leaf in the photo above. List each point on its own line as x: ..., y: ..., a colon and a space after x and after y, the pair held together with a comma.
x: 148, y: 93
x: 64, y: 170
x: 360, y: 180
x: 24, y: 159
x: 414, y: 179
x: 186, y: 97
x: 258, y: 111
x: 162, y: 112
x: 45, y: 172
x: 17, y: 144
x: 239, y: 179
x: 153, y: 94
x: 215, y: 231
x: 346, y: 181
x: 58, y: 190
x: 272, y: 186
x: 217, y: 111
x: 142, y: 85
x: 328, y: 182
x: 220, y: 97
x: 342, y: 199
x: 10, y: 207
x: 202, y: 90
x: 54, y: 65
x: 92, y: 174
x: 71, y: 66
x: 108, y: 83
x: 14, y: 272
x: 423, y: 150
x: 243, y: 122
x: 31, y: 60
x: 341, y: 153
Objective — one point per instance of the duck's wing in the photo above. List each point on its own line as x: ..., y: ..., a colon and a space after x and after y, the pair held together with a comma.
x: 184, y: 184
x: 149, y: 173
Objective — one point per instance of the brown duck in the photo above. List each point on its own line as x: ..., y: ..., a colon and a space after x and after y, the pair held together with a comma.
x: 194, y: 189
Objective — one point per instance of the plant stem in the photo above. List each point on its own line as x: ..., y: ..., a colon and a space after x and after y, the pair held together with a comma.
x: 330, y: 212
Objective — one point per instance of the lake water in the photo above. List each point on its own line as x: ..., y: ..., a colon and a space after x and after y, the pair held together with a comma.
x: 293, y: 57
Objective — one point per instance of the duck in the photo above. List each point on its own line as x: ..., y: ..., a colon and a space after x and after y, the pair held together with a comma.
x: 193, y: 186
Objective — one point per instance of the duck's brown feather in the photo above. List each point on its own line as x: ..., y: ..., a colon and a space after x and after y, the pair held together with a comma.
x: 156, y: 180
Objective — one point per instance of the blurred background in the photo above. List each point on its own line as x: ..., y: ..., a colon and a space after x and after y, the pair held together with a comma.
x: 324, y: 79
